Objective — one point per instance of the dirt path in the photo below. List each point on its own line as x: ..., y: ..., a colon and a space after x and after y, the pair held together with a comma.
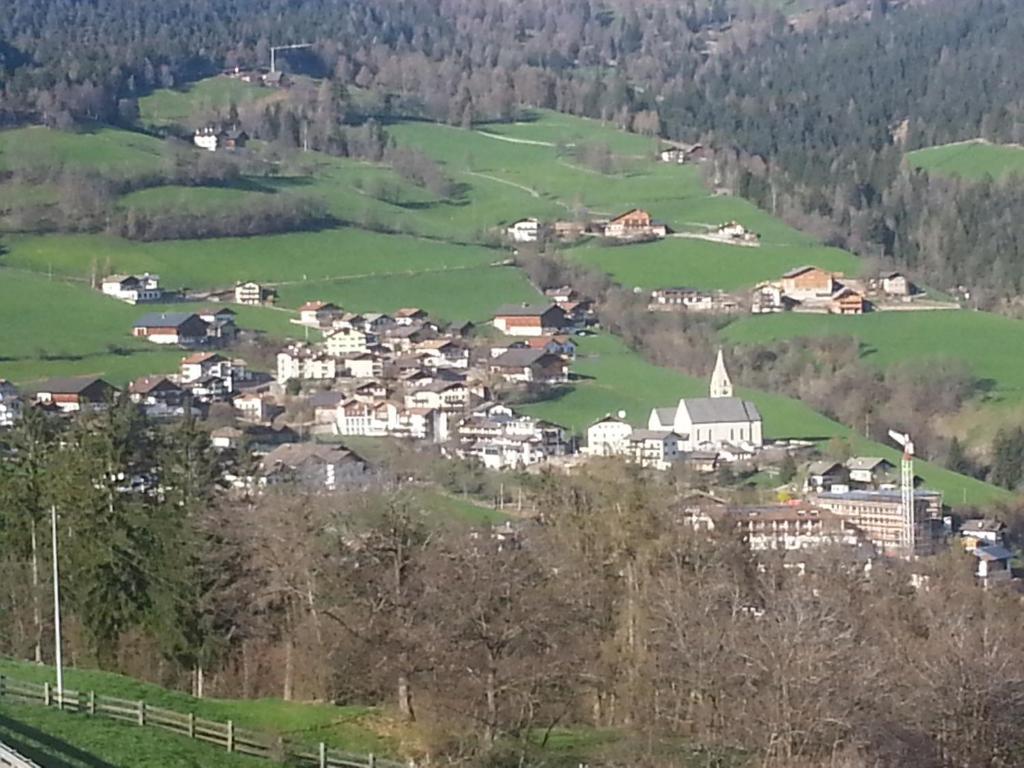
x: 511, y: 140
x: 529, y: 190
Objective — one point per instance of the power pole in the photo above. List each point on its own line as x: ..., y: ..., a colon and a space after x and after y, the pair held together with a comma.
x: 58, y: 645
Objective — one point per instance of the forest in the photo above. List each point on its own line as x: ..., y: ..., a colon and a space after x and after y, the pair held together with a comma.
x: 610, y: 611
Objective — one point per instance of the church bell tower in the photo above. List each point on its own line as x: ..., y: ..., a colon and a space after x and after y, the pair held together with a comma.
x: 721, y: 384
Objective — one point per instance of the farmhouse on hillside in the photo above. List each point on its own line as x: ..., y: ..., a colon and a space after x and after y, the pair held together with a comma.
x: 808, y: 282
x: 530, y: 366
x: 524, y: 231
x: 634, y: 224
x: 212, y: 139
x: 528, y: 319
x: 313, y: 465
x: 184, y: 328
x: 132, y: 289
x: 253, y: 294
x: 847, y: 301
x: 318, y: 314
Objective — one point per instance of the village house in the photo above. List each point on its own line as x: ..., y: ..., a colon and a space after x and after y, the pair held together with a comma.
x: 559, y: 344
x: 499, y: 438
x: 318, y: 314
x: 809, y: 283
x: 681, y: 298
x: 528, y: 319
x: 402, y: 338
x: 156, y: 391
x: 866, y: 472
x: 569, y: 230
x: 992, y: 564
x: 656, y: 449
x: 982, y: 532
x: 207, y: 364
x: 411, y: 316
x: 357, y: 417
x: 826, y: 476
x: 427, y: 424
x: 530, y: 366
x: 10, y: 404
x: 220, y: 324
x: 675, y: 155
x: 896, y: 284
x: 879, y: 515
x: 443, y: 353
x: 788, y: 527
x: 255, y: 407
x: 609, y: 436
x: 847, y: 301
x: 253, y: 294
x: 345, y: 342
x: 734, y: 232
x: 364, y: 366
x: 315, y: 466
x: 212, y: 139
x: 132, y: 289
x: 301, y: 362
x: 524, y: 231
x: 562, y: 294
x: 769, y: 298
x: 375, y: 322
x: 73, y: 395
x: 634, y: 224
x: 185, y: 329
x: 449, y: 396
x: 715, y: 422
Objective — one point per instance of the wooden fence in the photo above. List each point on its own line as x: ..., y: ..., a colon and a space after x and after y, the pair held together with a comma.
x: 11, y: 759
x: 223, y: 734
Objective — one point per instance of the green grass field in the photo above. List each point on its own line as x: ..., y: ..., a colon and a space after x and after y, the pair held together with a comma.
x: 972, y: 160
x: 179, y: 107
x: 993, y: 346
x: 621, y: 380
x: 101, y: 149
x: 56, y: 328
x: 221, y: 262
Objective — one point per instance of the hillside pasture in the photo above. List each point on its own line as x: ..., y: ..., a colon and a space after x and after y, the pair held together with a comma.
x: 615, y: 378
x: 971, y: 160
x: 106, y: 150
x: 221, y: 262
x: 181, y: 107
x: 992, y: 346
x: 454, y: 295
x: 57, y: 328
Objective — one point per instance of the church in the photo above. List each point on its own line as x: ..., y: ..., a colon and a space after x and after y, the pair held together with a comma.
x: 711, y: 423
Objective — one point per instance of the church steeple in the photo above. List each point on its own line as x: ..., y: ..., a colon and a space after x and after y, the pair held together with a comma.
x: 721, y: 384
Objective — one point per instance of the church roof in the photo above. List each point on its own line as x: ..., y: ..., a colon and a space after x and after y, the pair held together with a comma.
x: 665, y: 415
x: 710, y: 410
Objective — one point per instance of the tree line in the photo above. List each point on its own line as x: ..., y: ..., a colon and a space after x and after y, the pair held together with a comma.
x: 609, y: 610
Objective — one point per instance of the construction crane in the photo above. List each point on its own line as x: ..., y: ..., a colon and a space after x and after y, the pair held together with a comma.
x: 906, y: 490
x: 275, y: 48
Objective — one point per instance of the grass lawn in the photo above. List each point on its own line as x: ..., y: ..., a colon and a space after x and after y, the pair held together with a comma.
x: 992, y: 345
x: 348, y: 728
x: 101, y: 149
x: 55, y: 328
x: 619, y: 379
x: 191, y: 199
x: 221, y: 262
x: 454, y: 295
x: 181, y: 106
x: 62, y: 740
x: 971, y: 160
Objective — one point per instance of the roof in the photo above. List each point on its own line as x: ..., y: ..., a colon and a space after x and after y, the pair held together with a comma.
x: 822, y: 467
x: 202, y: 357
x: 866, y: 462
x: 215, y: 311
x: 294, y: 454
x: 992, y: 552
x: 801, y: 270
x: 878, y: 496
x: 326, y: 399
x: 313, y: 306
x: 624, y: 214
x: 409, y: 312
x: 165, y: 319
x: 709, y: 410
x: 523, y: 310
x: 118, y: 278
x: 982, y: 524
x: 146, y: 384
x: 70, y: 386
x: 651, y: 434
x: 519, y: 358
x: 665, y: 415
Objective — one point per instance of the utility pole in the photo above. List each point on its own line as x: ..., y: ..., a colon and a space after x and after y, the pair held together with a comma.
x: 58, y: 645
x: 276, y: 48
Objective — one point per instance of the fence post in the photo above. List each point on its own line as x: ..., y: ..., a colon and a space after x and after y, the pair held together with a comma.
x: 191, y: 725
x: 322, y: 763
x: 372, y: 761
x: 46, y: 695
x: 231, y: 736
x: 92, y: 702
x: 142, y: 713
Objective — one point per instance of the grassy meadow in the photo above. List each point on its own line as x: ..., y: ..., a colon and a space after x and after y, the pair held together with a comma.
x: 178, y: 107
x: 972, y: 160
x: 616, y: 378
x: 102, y: 149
